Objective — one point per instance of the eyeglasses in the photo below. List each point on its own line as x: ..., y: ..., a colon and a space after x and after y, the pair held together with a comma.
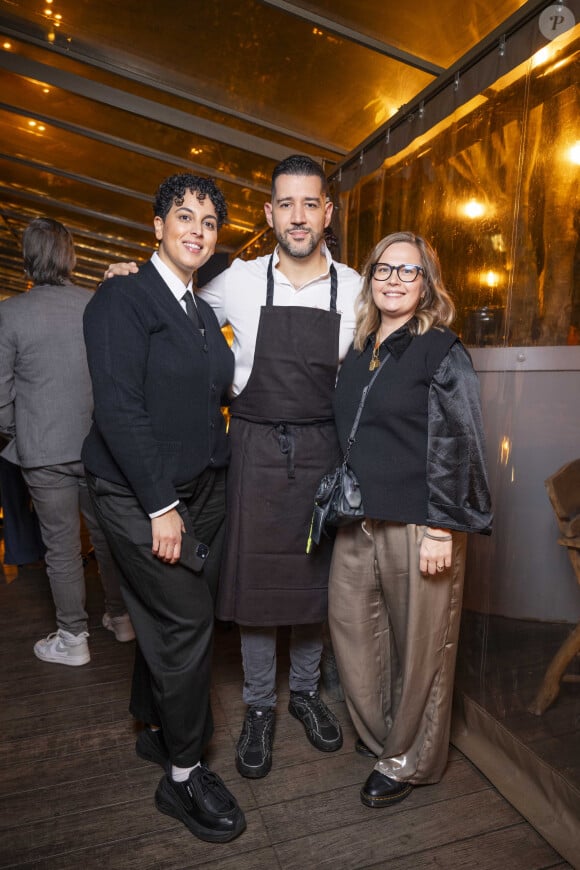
x: 406, y: 272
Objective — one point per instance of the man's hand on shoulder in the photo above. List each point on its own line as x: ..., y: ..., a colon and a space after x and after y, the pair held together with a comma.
x: 116, y: 269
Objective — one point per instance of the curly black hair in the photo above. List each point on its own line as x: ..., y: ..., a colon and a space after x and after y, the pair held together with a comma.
x: 172, y: 192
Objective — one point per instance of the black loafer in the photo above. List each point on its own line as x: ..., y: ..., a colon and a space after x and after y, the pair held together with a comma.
x: 363, y: 749
x: 203, y: 804
x: 382, y: 791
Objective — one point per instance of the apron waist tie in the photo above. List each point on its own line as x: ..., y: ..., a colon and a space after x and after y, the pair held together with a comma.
x: 287, y: 447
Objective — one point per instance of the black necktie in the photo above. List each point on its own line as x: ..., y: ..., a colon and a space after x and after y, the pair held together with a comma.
x: 192, y: 311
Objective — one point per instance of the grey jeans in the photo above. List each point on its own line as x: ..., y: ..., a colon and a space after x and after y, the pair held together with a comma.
x: 259, y: 660
x: 59, y: 494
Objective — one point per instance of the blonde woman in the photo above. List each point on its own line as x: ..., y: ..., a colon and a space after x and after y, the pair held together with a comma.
x: 397, y: 577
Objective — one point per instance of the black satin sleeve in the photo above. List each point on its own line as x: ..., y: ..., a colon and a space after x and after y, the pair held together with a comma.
x: 458, y: 491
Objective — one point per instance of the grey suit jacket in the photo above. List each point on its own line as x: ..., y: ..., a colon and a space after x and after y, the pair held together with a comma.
x: 45, y: 388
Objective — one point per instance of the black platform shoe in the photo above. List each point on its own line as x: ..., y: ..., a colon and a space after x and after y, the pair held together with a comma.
x: 203, y: 804
x: 382, y: 791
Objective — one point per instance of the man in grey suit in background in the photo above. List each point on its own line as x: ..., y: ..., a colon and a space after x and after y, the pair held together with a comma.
x: 45, y: 409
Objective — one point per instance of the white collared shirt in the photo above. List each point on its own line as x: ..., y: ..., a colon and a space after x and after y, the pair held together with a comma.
x: 238, y: 293
x: 175, y: 284
x: 178, y: 288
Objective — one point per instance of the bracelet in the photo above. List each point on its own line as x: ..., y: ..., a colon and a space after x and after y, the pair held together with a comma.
x: 438, y: 537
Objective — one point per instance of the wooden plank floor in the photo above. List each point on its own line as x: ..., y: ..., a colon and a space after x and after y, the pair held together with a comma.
x: 73, y: 794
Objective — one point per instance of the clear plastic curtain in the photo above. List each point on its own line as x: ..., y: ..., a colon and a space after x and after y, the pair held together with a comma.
x: 495, y: 186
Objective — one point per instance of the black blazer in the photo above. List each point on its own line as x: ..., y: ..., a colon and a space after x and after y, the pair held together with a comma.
x: 158, y: 387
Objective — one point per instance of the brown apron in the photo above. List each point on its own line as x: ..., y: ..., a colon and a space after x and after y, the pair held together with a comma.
x: 283, y: 440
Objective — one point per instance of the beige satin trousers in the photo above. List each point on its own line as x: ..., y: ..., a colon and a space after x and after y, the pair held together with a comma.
x: 394, y: 634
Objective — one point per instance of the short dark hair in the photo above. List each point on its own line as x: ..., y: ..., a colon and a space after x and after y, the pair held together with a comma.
x: 49, y: 252
x: 300, y: 164
x: 172, y: 192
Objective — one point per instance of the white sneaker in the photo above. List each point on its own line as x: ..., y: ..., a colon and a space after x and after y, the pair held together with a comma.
x: 64, y: 648
x: 121, y: 626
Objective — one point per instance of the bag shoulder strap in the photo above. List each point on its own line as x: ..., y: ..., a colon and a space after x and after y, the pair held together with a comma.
x: 363, y: 399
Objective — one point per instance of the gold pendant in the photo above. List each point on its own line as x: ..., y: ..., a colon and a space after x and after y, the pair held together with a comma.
x: 375, y: 359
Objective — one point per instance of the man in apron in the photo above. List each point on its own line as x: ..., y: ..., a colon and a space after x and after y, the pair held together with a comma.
x: 293, y: 318
x: 292, y: 314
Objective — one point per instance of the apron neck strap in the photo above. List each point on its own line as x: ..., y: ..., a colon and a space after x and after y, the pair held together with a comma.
x: 270, y: 284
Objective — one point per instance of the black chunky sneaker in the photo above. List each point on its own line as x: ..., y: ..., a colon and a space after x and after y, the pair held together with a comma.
x: 321, y: 725
x: 203, y: 804
x: 150, y: 746
x: 363, y: 749
x: 254, y: 750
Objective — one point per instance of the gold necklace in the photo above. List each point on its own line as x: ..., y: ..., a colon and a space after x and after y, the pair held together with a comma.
x: 375, y: 360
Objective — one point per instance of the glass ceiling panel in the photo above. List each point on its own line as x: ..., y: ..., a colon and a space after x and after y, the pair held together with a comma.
x: 111, y: 211
x: 46, y: 99
x: 108, y: 243
x: 243, y: 65
x: 75, y: 153
x: 250, y: 58
x: 142, y: 78
x: 440, y: 31
x: 113, y: 207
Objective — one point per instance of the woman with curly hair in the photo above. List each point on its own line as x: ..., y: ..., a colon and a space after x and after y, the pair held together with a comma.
x: 156, y: 460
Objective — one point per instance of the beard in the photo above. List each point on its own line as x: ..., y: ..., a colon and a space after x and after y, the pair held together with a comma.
x: 298, y: 250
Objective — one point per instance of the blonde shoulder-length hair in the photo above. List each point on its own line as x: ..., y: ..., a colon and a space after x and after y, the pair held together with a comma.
x: 435, y: 306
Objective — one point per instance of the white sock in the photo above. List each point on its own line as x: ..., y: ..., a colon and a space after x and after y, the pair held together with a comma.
x: 181, y: 774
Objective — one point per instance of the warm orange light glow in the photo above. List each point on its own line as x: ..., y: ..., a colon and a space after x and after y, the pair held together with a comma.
x: 41, y: 128
x: 574, y: 154
x: 505, y: 449
x: 542, y: 56
x: 7, y: 45
x: 48, y: 11
x: 490, y: 279
x: 32, y: 123
x: 242, y: 227
x: 474, y: 209
x: 58, y: 17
